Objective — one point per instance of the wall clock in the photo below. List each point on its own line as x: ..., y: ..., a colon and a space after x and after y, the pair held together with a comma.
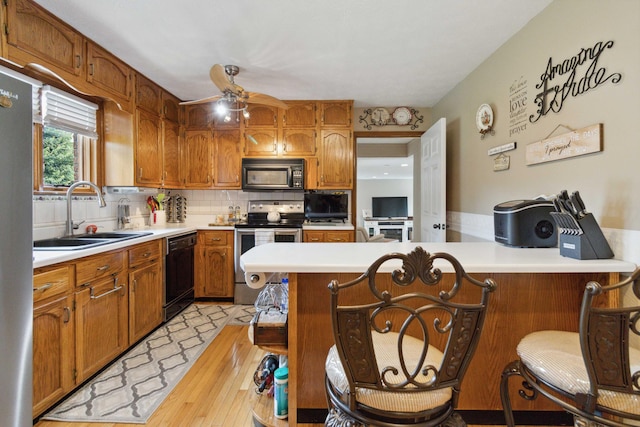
x: 380, y: 116
x: 484, y: 118
x: 402, y: 116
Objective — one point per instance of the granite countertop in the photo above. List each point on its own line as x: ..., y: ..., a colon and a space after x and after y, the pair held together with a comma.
x: 479, y: 257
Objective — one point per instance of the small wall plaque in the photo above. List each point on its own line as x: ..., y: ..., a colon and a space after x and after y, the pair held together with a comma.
x: 575, y: 143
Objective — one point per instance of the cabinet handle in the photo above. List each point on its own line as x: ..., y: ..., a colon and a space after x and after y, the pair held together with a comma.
x: 135, y: 284
x: 146, y: 254
x: 104, y: 267
x: 67, y: 312
x: 275, y: 147
x: 91, y: 69
x: 43, y: 287
x: 78, y: 61
x: 216, y: 239
x: 115, y: 289
x: 140, y: 173
x: 314, y: 239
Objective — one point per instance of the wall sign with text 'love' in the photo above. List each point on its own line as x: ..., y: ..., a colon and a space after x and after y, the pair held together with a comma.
x: 575, y: 143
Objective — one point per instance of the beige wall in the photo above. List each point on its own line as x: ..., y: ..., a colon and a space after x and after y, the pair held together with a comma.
x: 607, y: 180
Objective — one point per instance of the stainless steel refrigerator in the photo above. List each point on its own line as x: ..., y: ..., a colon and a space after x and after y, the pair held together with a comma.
x: 16, y: 262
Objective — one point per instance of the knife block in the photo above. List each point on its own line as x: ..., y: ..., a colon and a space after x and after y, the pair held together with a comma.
x: 591, y: 244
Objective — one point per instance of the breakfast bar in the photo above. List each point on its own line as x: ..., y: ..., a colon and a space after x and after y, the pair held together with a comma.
x: 537, y: 289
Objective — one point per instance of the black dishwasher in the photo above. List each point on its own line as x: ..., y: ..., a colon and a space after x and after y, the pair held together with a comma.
x: 179, y: 283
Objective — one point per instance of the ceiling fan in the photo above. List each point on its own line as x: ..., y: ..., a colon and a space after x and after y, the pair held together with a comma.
x: 233, y: 97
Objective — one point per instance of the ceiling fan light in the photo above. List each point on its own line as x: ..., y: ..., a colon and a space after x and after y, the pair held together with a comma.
x: 227, y: 118
x: 221, y: 108
x: 245, y: 113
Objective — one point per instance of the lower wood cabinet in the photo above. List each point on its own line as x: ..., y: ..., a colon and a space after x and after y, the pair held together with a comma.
x: 145, y: 289
x: 214, y: 264
x: 87, y: 312
x: 53, y: 356
x: 102, y: 330
x: 336, y: 236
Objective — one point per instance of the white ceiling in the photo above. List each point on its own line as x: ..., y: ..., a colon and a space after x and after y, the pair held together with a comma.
x: 376, y: 52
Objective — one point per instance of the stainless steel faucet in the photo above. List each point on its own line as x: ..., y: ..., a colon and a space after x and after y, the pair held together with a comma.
x: 69, y: 225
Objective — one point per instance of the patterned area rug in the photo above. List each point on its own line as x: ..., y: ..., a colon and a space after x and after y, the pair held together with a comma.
x: 133, y: 387
x: 242, y: 315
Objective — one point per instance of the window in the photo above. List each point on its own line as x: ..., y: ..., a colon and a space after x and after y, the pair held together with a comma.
x: 67, y: 150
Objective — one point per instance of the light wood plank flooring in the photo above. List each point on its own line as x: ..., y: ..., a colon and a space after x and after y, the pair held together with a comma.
x: 215, y: 392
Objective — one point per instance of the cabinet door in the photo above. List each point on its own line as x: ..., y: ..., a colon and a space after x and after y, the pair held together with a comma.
x: 148, y: 149
x: 338, y: 236
x: 217, y: 272
x: 102, y: 330
x: 299, y: 114
x: 53, y: 352
x: 313, y: 236
x: 106, y: 72
x: 226, y: 159
x: 262, y: 142
x: 198, y: 159
x: 335, y: 114
x: 171, y: 154
x: 261, y: 116
x: 198, y: 116
x: 148, y: 95
x: 171, y: 109
x: 335, y: 167
x: 34, y: 35
x: 299, y: 142
x: 145, y: 299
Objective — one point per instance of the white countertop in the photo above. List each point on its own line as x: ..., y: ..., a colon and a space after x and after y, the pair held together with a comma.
x: 44, y: 258
x: 475, y: 257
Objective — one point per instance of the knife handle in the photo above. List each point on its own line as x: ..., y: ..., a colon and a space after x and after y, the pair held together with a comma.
x: 579, y: 203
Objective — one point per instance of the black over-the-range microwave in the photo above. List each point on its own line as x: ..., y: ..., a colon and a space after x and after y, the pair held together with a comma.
x: 273, y: 174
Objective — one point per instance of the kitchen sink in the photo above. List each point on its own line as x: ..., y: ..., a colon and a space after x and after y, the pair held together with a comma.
x: 84, y: 241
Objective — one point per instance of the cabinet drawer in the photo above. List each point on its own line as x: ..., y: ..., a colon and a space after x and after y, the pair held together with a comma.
x: 51, y: 282
x: 215, y: 238
x: 144, y: 252
x: 98, y: 266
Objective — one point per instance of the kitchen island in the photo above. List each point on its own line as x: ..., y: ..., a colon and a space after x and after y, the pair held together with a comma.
x: 537, y: 289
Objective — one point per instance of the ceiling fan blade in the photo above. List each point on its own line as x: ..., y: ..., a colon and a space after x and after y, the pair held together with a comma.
x: 261, y: 98
x: 202, y: 101
x: 221, y: 80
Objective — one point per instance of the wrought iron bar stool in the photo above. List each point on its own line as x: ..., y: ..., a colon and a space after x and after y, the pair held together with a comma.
x: 402, y: 350
x: 593, y: 374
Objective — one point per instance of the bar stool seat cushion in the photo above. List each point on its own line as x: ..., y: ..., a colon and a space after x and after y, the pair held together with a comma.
x: 386, y: 351
x: 556, y: 358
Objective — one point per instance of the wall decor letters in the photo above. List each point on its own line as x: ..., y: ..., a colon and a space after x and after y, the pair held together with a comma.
x: 571, y: 77
x: 518, y: 102
x: 575, y: 143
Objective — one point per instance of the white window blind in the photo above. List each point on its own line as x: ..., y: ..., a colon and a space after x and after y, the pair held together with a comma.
x: 65, y: 111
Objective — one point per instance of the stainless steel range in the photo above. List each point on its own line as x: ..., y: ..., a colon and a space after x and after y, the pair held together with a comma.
x: 278, y: 221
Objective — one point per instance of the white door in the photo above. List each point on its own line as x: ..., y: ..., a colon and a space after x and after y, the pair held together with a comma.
x: 433, y: 166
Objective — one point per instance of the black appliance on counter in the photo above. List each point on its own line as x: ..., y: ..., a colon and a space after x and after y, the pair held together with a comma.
x: 326, y: 206
x: 287, y: 229
x: 179, y: 277
x: 525, y: 223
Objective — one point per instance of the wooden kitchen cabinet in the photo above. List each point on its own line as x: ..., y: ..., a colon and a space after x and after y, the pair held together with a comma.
x: 198, y: 159
x: 198, y: 116
x: 171, y: 155
x: 321, y: 236
x: 214, y: 264
x: 261, y: 142
x: 112, y: 77
x: 34, y: 35
x: 227, y: 161
x: 148, y: 95
x: 102, y: 331
x: 53, y: 336
x: 145, y: 288
x: 299, y: 142
x: 261, y: 116
x: 148, y: 149
x: 300, y: 114
x: 335, y: 159
x: 102, y: 311
x: 336, y: 114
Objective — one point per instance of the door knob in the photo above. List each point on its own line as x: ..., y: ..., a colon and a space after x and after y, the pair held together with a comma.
x: 439, y: 226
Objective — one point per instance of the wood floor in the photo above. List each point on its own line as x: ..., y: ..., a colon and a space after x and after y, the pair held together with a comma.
x: 215, y: 392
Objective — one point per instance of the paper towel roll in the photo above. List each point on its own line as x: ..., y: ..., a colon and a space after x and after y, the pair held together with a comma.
x: 257, y: 280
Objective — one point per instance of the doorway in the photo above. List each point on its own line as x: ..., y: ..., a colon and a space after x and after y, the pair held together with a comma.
x: 378, y: 153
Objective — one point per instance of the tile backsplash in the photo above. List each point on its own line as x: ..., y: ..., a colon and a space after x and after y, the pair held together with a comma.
x: 50, y: 211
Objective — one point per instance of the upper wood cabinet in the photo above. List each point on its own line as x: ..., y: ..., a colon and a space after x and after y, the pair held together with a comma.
x: 300, y: 114
x: 335, y: 114
x: 226, y: 159
x: 108, y: 73
x: 171, y: 108
x: 148, y: 149
x: 198, y: 116
x: 261, y: 116
x: 198, y: 158
x: 148, y: 95
x: 335, y: 160
x: 34, y: 35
